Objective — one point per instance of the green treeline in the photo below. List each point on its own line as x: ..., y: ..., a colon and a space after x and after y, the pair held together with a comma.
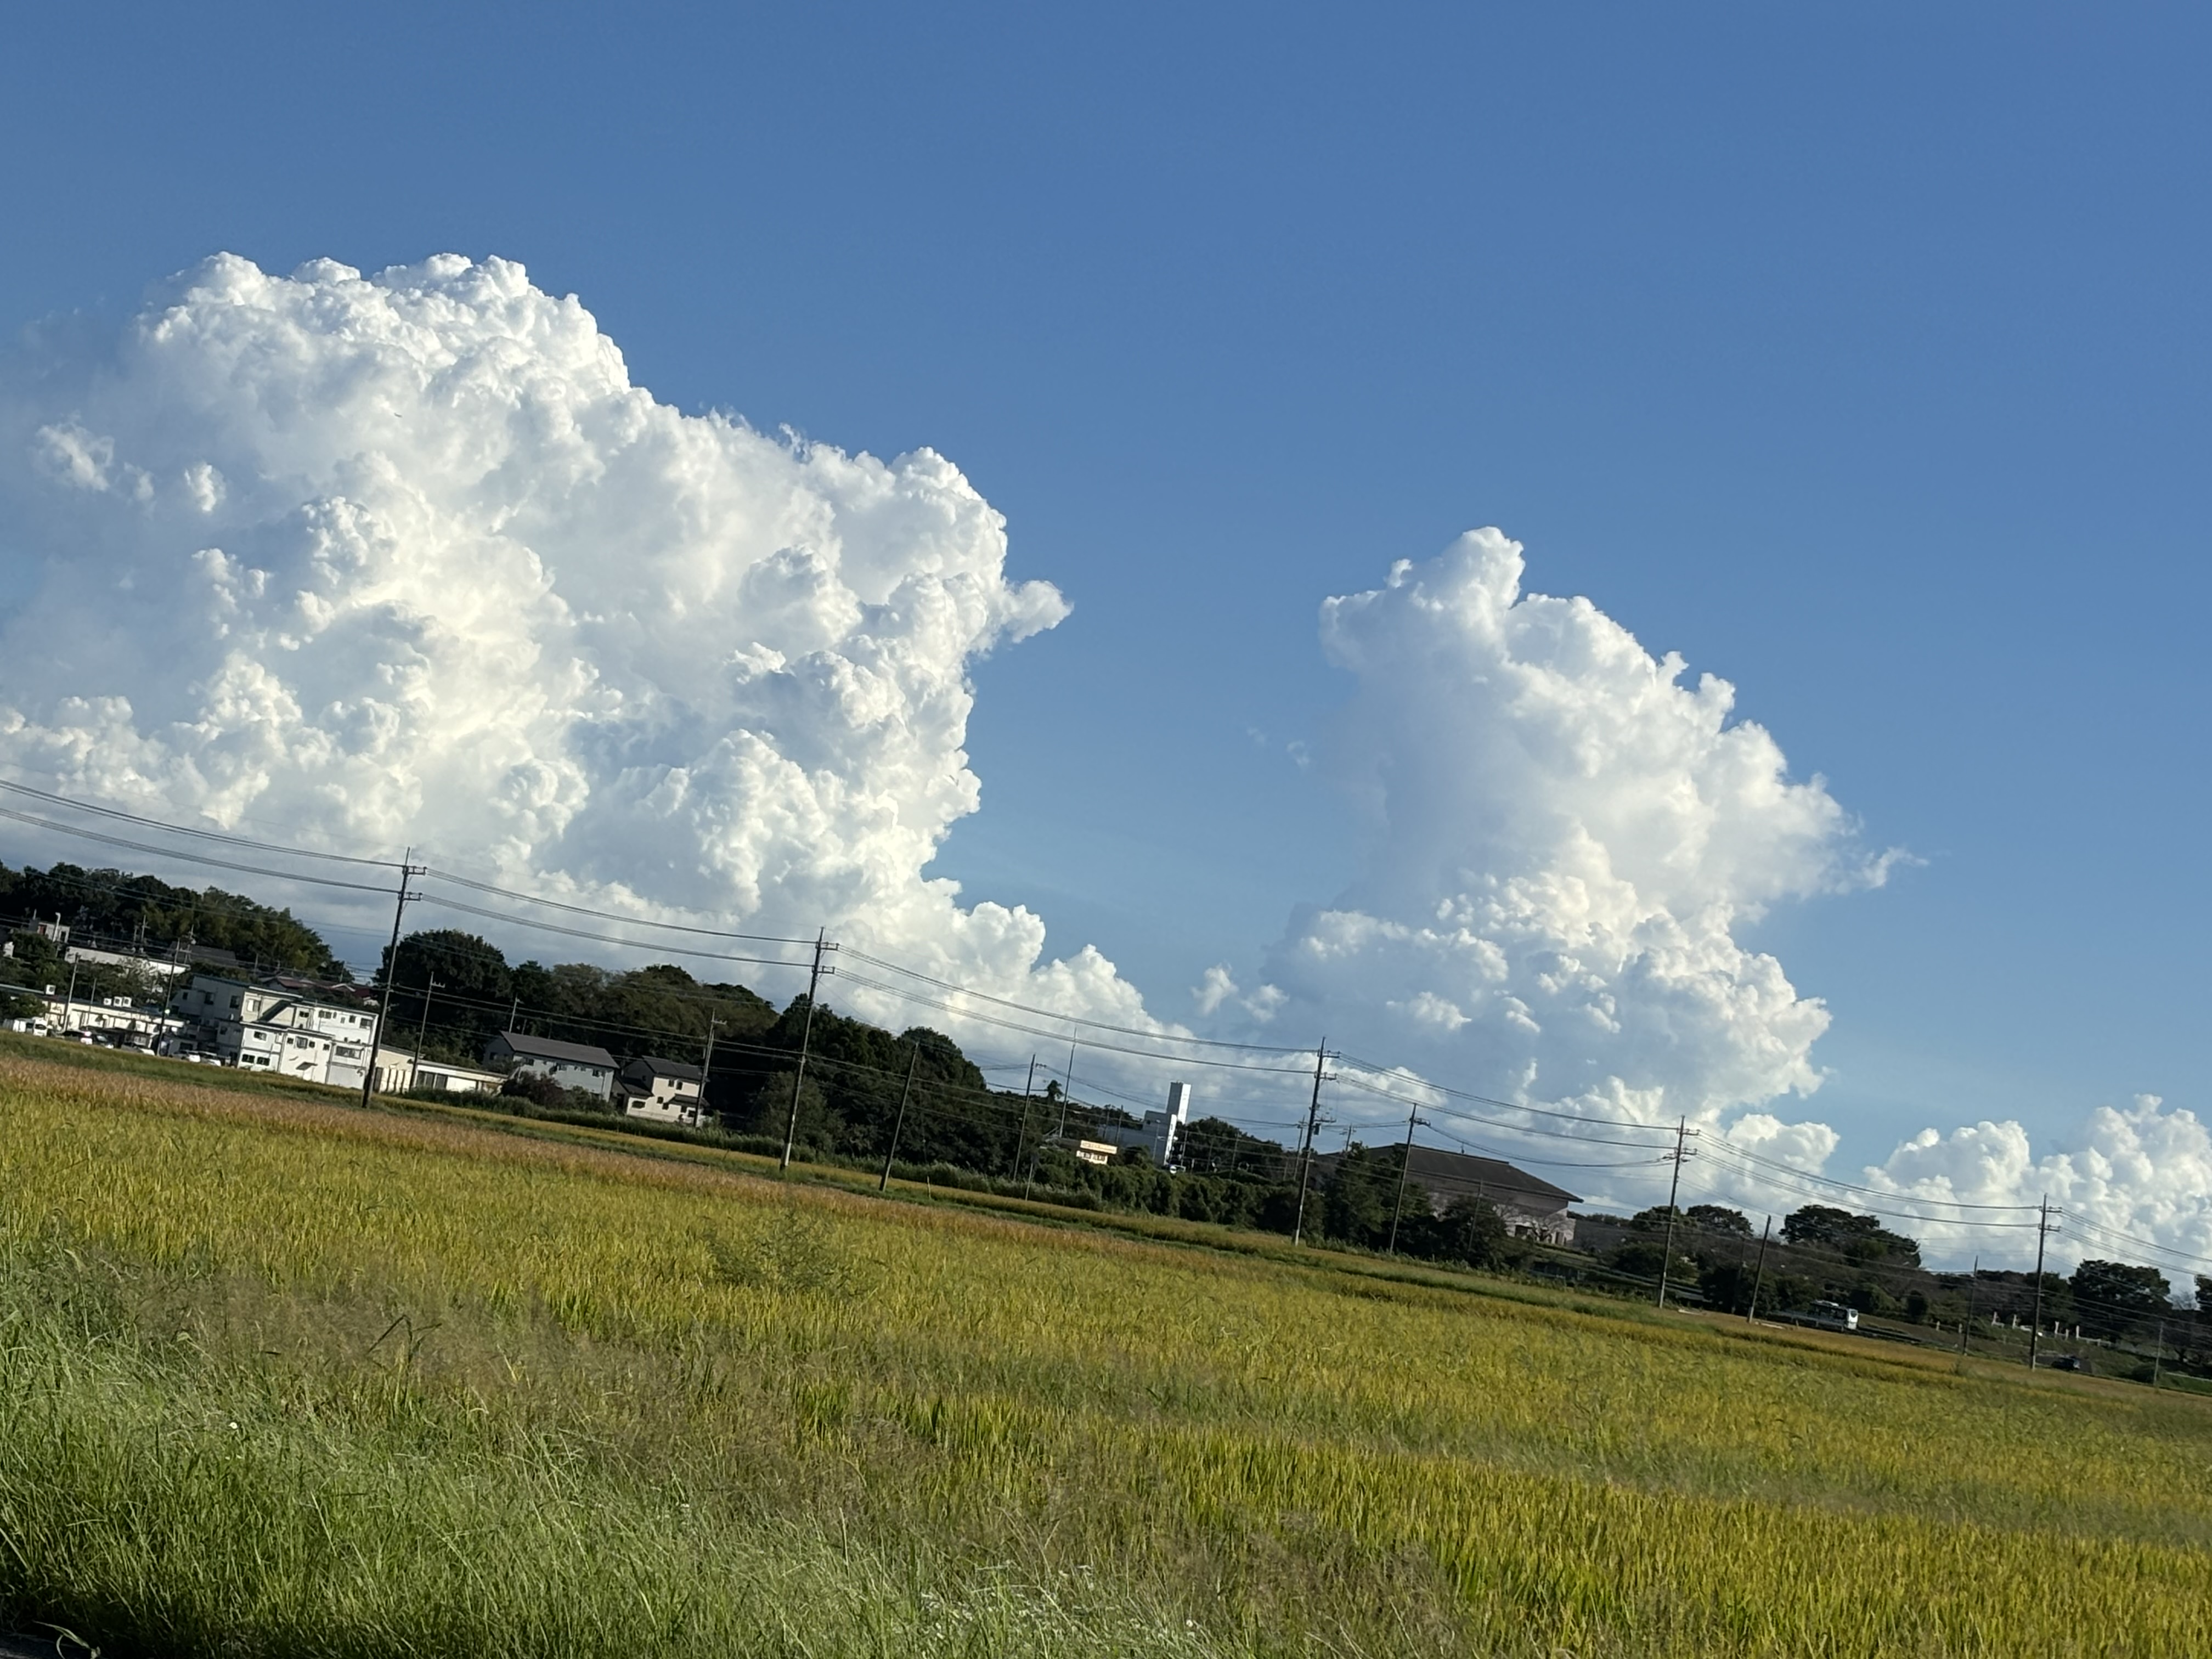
x: 114, y: 908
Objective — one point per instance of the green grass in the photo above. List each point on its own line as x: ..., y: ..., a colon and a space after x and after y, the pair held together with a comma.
x: 280, y: 1377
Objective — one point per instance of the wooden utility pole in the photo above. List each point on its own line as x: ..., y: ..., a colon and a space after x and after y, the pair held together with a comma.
x: 1759, y: 1278
x: 423, y: 1031
x: 1405, y: 1163
x: 1967, y: 1324
x: 1022, y: 1139
x: 913, y: 1058
x: 805, y: 1036
x: 706, y: 1066
x: 407, y: 869
x: 2035, y: 1322
x: 1674, y: 1188
x: 1313, y: 1126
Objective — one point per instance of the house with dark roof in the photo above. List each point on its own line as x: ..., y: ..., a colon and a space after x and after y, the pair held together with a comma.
x: 1531, y: 1206
x: 571, y: 1065
x: 665, y: 1090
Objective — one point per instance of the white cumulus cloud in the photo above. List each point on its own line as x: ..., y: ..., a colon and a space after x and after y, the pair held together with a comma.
x: 1565, y: 839
x: 407, y: 558
x: 2140, y: 1172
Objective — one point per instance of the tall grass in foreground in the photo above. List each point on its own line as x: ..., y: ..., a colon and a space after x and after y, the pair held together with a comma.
x: 284, y: 1377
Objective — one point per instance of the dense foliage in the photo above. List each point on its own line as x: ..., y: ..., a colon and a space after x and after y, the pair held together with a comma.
x: 116, y: 909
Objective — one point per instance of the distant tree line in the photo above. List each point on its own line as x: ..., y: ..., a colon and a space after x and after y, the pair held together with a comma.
x: 116, y: 909
x: 452, y: 991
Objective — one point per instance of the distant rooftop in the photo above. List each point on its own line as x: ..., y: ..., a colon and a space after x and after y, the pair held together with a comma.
x: 675, y: 1070
x: 1457, y: 1174
x: 574, y: 1054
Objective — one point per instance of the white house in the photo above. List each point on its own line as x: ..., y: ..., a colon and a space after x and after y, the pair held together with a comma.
x: 278, y: 1026
x: 665, y: 1090
x: 571, y: 1065
x: 140, y: 1028
x: 452, y: 1078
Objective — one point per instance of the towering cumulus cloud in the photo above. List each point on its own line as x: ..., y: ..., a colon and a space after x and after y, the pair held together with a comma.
x: 408, y: 558
x: 1564, y: 840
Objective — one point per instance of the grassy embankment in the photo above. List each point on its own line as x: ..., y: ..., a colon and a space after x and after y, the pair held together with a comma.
x: 283, y: 1377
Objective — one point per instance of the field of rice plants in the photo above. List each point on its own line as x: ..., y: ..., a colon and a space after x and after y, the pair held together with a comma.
x: 281, y: 1377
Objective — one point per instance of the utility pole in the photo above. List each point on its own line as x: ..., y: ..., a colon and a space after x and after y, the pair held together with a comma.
x: 423, y: 1033
x: 1023, y: 1138
x: 2035, y: 1323
x: 407, y: 869
x: 1405, y: 1165
x: 1305, y: 1161
x: 706, y: 1065
x: 805, y: 1036
x: 2158, y: 1353
x: 513, y: 1009
x: 1759, y: 1278
x: 913, y: 1058
x: 1674, y: 1188
x: 1967, y: 1324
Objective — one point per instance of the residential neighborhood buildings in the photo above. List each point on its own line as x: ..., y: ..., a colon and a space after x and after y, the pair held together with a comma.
x: 295, y: 1027
x: 571, y: 1065
x: 664, y: 1091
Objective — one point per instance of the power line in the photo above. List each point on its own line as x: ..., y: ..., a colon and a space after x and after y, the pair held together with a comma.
x: 1072, y: 1019
x: 608, y: 938
x: 190, y: 858
x: 185, y: 829
x: 610, y: 915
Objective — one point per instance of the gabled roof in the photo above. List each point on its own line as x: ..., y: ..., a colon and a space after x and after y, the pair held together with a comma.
x: 1438, y: 1168
x: 1456, y: 1174
x: 674, y: 1069
x: 573, y: 1054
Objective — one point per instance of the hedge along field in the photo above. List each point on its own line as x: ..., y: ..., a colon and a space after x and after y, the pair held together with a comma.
x: 282, y: 1377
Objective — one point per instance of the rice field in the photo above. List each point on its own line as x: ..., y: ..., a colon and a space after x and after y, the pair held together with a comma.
x: 280, y: 1377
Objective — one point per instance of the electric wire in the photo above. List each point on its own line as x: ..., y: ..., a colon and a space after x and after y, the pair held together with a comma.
x: 185, y: 829
x: 192, y: 858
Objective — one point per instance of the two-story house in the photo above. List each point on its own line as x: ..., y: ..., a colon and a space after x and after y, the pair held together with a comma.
x: 280, y: 1025
x: 571, y: 1065
x: 665, y: 1090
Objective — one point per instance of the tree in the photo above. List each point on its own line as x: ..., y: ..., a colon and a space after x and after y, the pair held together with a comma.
x: 1643, y: 1259
x: 1727, y: 1285
x: 1787, y: 1292
x: 471, y: 1000
x: 119, y: 907
x: 1718, y: 1218
x: 1213, y: 1146
x: 2110, y: 1297
x: 2204, y: 1298
x: 1857, y: 1238
x: 1356, y: 1203
x: 1470, y: 1231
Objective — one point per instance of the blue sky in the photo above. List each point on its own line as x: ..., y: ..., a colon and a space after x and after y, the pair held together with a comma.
x: 1857, y: 354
